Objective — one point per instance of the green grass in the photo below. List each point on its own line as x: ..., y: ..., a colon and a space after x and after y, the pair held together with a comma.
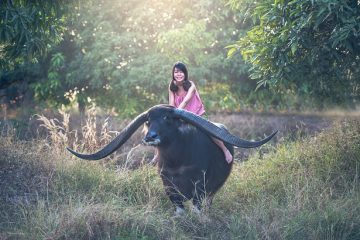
x: 307, y: 189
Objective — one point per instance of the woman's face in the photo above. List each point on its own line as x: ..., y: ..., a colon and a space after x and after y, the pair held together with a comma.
x: 179, y: 76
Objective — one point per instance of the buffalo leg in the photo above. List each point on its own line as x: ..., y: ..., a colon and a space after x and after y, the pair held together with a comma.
x: 178, y: 203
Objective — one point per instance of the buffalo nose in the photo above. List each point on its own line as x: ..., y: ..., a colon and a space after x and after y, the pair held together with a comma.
x: 150, y: 136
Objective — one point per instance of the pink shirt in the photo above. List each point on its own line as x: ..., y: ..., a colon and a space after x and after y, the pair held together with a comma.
x: 195, y: 104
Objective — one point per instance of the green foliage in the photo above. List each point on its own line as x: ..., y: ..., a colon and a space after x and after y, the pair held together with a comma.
x: 120, y: 54
x: 218, y: 96
x: 175, y: 43
x: 310, y: 47
x: 52, y: 89
x: 29, y: 28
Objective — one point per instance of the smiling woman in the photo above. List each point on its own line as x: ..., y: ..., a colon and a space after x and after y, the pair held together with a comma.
x: 184, y: 95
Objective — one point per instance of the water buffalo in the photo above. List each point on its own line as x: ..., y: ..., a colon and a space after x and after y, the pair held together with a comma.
x: 190, y: 164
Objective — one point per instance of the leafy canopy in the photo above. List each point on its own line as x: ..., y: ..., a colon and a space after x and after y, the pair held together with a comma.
x: 29, y: 28
x: 309, y: 47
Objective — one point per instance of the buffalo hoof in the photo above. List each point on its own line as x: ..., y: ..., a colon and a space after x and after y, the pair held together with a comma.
x: 179, y: 211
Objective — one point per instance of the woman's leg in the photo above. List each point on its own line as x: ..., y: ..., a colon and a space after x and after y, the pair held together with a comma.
x: 226, y: 151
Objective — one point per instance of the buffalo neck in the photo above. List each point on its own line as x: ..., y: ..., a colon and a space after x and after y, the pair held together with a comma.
x: 176, y: 153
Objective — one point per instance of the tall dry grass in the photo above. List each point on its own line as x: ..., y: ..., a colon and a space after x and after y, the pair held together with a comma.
x: 90, y: 137
x: 93, y: 134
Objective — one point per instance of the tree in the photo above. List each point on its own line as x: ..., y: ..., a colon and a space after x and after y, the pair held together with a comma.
x: 29, y: 28
x: 309, y: 47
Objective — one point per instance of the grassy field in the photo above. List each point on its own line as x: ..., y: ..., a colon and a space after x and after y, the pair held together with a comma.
x: 307, y: 188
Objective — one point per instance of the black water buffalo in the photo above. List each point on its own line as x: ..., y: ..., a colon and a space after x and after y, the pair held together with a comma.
x: 190, y: 164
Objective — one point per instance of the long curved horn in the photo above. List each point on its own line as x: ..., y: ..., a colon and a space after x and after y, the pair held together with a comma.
x: 218, y: 132
x: 124, y: 135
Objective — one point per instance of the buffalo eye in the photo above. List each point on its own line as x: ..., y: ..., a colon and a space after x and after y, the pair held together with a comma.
x: 166, y: 118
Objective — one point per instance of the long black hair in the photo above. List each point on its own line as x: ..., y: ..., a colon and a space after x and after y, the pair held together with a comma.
x: 187, y: 84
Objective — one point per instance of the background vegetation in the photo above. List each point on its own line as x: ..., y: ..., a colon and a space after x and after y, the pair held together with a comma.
x: 307, y: 47
x: 298, y: 54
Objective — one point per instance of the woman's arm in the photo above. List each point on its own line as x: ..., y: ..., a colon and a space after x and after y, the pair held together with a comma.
x: 171, y: 97
x: 188, y: 96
